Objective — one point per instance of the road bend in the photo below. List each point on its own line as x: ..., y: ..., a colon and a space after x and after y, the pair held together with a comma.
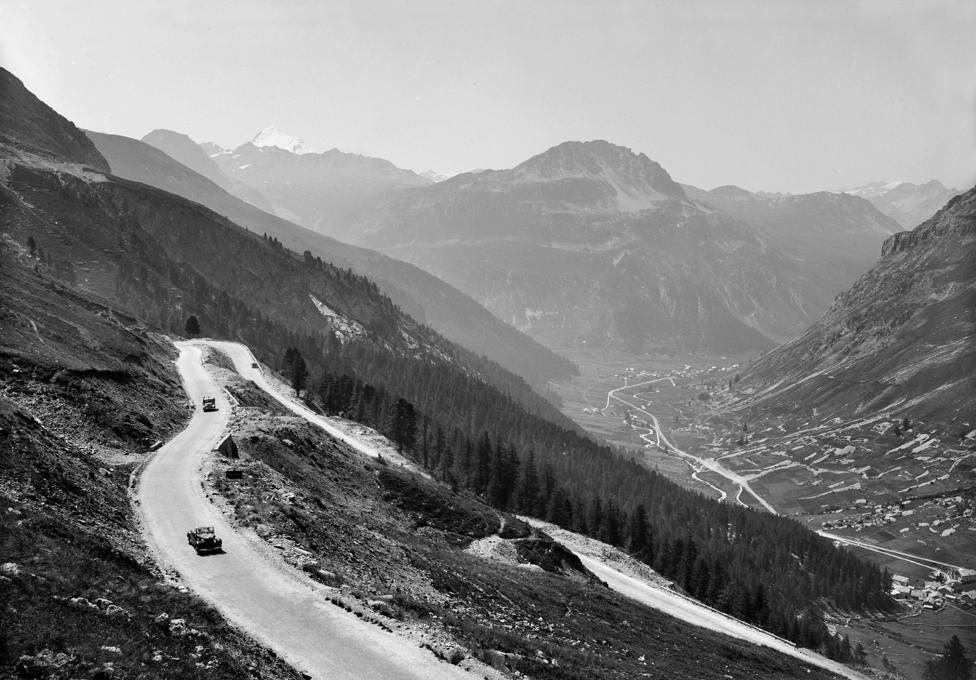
x: 274, y: 603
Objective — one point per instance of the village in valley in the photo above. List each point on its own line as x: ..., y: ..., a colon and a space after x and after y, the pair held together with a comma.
x: 889, y: 487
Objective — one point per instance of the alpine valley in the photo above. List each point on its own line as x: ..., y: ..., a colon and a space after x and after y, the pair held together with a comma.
x: 277, y: 413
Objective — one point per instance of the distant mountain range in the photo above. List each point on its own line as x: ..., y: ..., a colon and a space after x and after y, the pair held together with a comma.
x: 421, y: 295
x: 528, y: 242
x: 163, y: 257
x: 324, y: 192
x: 187, y: 152
x: 592, y: 243
x: 834, y: 238
x: 908, y: 204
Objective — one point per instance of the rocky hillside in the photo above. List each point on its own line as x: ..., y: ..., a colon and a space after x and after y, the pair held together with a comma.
x: 28, y: 124
x: 322, y: 191
x: 425, y: 298
x: 833, y: 237
x: 903, y: 336
x: 908, y: 204
x: 85, y: 391
x: 592, y: 243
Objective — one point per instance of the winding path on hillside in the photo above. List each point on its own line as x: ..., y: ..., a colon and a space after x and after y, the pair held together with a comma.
x: 275, y: 604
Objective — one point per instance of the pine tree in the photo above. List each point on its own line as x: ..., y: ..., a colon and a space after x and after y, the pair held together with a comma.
x: 403, y: 425
x: 845, y: 652
x: 952, y: 665
x: 594, y: 516
x: 528, y: 486
x: 482, y: 464
x: 297, y: 372
x: 637, y: 531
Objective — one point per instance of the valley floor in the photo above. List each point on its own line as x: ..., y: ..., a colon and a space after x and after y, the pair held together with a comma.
x: 902, y: 496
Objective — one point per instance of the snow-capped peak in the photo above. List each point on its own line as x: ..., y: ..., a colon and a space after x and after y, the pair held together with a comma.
x: 271, y: 136
x: 873, y: 189
x: 434, y: 175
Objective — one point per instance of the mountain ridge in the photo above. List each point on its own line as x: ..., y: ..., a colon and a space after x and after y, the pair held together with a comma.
x: 321, y: 191
x: 595, y: 229
x: 184, y: 150
x: 908, y: 203
x: 416, y: 292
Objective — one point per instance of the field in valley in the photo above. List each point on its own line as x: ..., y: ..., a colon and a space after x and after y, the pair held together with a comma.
x: 903, y: 489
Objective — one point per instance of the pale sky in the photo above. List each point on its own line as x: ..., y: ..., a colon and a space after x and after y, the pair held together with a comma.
x: 774, y: 95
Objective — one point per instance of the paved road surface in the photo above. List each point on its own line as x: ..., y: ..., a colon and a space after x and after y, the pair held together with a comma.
x: 275, y: 604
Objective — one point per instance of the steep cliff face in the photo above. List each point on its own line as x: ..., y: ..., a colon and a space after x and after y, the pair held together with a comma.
x: 904, y: 334
x: 589, y: 242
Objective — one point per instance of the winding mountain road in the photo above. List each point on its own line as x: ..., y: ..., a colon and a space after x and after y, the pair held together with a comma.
x: 272, y: 602
x: 281, y: 607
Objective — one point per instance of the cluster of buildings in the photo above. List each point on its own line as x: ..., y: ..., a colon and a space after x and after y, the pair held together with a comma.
x: 944, y: 516
x: 877, y: 516
x: 953, y: 586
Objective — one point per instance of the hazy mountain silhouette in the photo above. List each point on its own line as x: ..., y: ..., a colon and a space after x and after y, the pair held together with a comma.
x: 909, y: 204
x: 322, y: 191
x: 590, y: 242
x: 833, y: 237
x: 421, y: 295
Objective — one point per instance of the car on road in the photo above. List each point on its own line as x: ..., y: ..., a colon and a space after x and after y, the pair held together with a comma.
x: 209, y: 404
x: 204, y: 540
x: 254, y: 364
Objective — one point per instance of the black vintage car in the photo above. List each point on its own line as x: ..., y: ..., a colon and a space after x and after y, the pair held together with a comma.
x: 204, y: 540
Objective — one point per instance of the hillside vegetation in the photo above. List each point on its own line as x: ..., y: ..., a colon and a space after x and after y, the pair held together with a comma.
x: 85, y: 389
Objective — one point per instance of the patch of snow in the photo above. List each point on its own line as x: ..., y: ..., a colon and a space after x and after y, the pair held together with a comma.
x: 271, y: 136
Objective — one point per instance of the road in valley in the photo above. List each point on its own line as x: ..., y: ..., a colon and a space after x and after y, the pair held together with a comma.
x: 911, y: 558
x: 275, y: 604
x: 703, y: 463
